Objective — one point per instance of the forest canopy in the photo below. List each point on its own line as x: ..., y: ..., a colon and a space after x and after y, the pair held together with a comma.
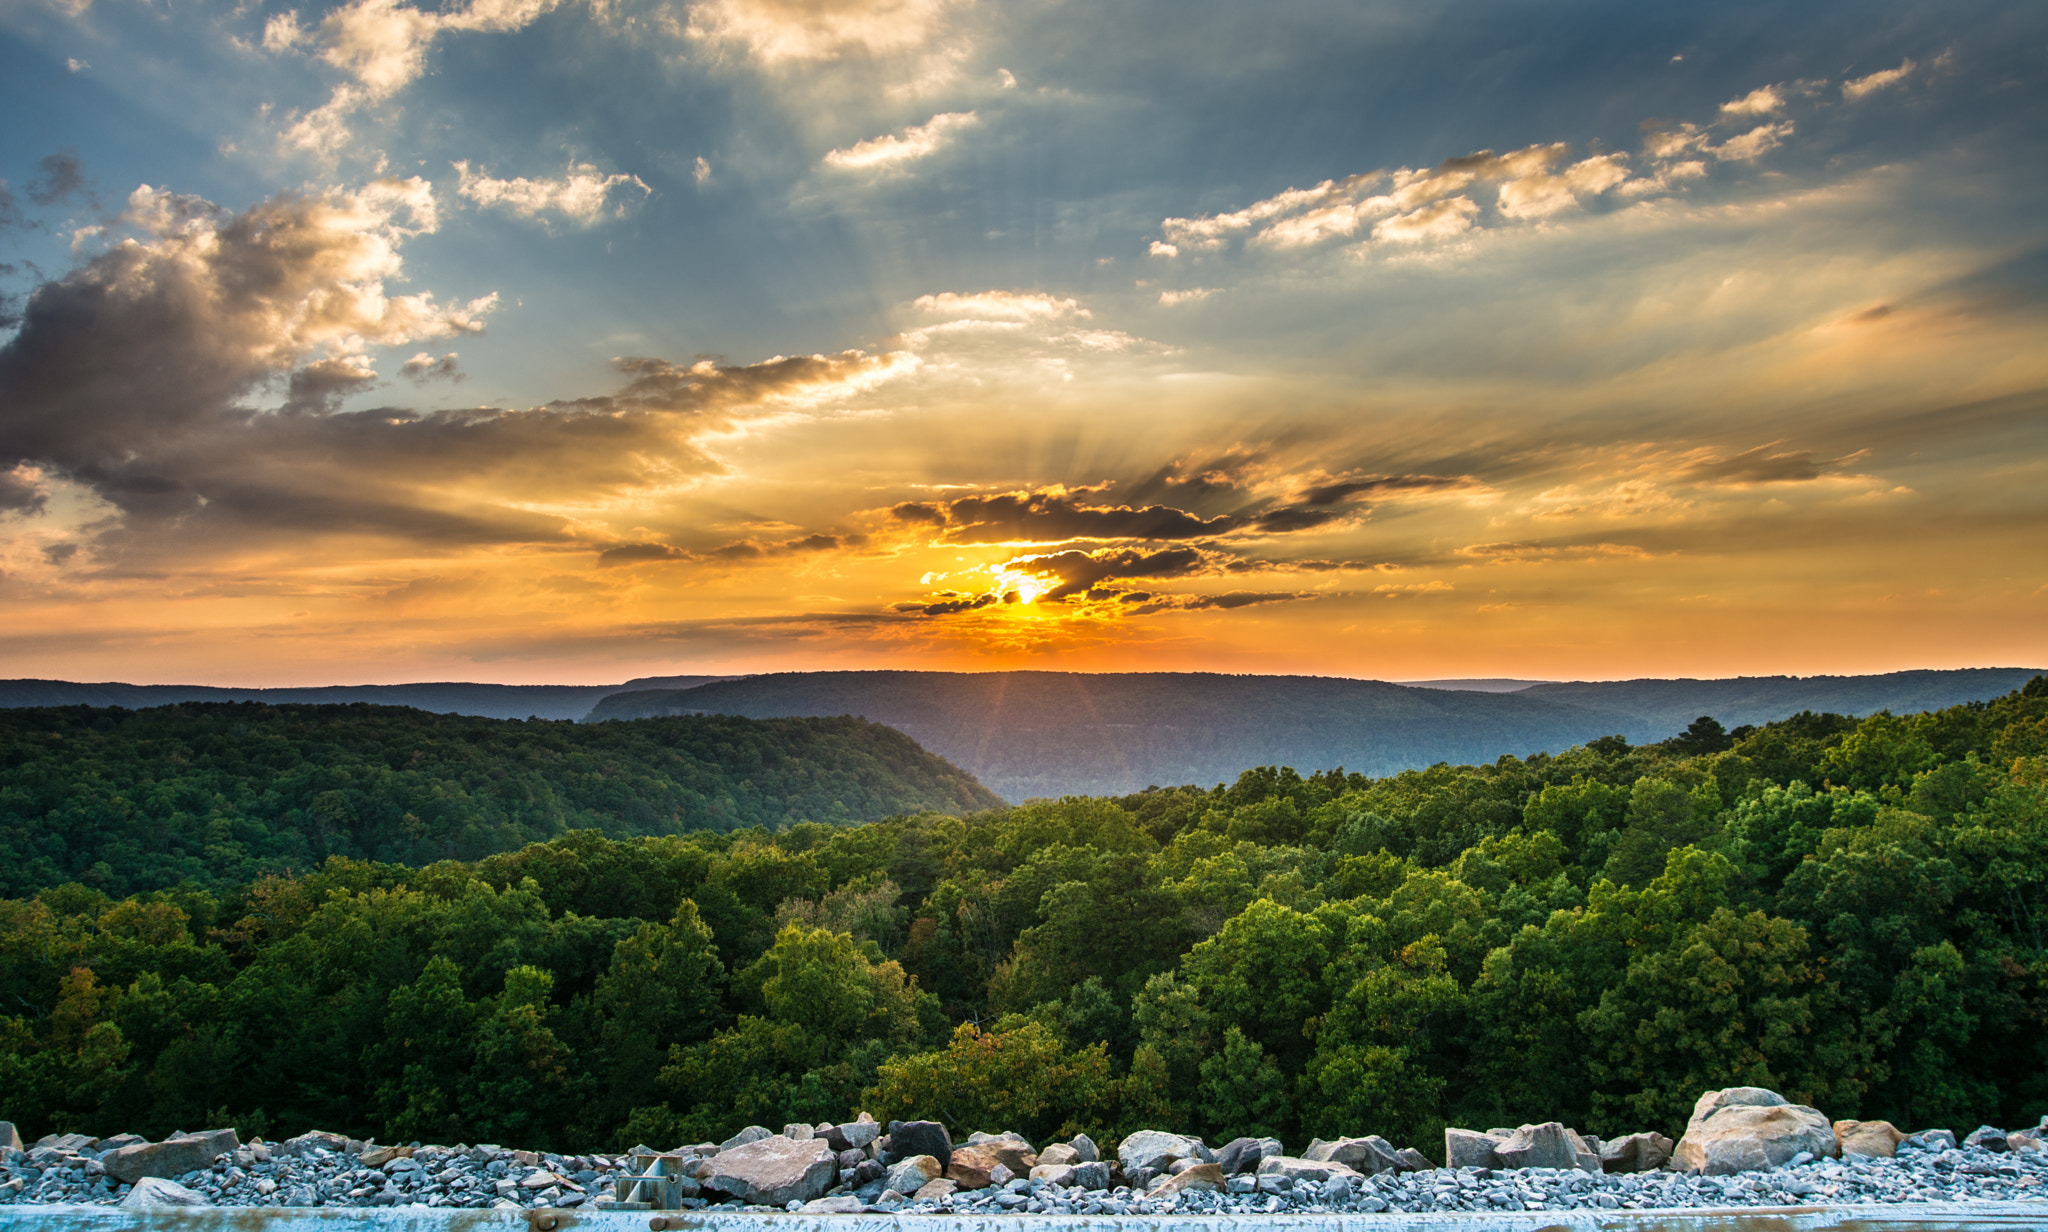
x: 217, y: 794
x: 1846, y: 911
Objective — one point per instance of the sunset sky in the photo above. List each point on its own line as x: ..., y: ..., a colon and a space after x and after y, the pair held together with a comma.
x: 573, y: 340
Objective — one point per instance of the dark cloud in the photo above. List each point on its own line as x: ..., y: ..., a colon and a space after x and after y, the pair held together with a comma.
x: 321, y: 386
x: 20, y: 493
x: 1291, y: 519
x: 1375, y: 485
x: 58, y: 553
x: 1053, y: 514
x: 1758, y: 465
x: 1080, y: 572
x: 424, y: 367
x: 948, y: 603
x: 1222, y: 602
x: 134, y: 376
x: 640, y: 554
x: 740, y: 550
x: 62, y: 178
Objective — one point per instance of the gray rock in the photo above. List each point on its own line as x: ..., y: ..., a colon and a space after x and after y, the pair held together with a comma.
x: 1749, y: 1129
x: 1931, y: 1140
x: 1302, y: 1171
x: 1549, y: 1145
x: 1244, y: 1154
x: 1640, y: 1152
x: 314, y: 1140
x: 752, y: 1133
x: 2026, y: 1140
x: 155, y: 1193
x: 10, y: 1138
x: 845, y: 1204
x: 910, y: 1175
x: 1411, y: 1160
x: 1155, y: 1149
x: 1989, y: 1137
x: 169, y: 1158
x: 772, y: 1171
x: 1058, y: 1153
x: 799, y: 1133
x: 1085, y: 1147
x: 854, y: 1135
x: 1092, y: 1174
x: 1367, y: 1156
x: 1466, y: 1148
x: 912, y: 1138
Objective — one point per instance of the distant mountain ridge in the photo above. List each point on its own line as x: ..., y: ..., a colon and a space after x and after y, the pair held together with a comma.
x: 489, y: 701
x: 1027, y: 734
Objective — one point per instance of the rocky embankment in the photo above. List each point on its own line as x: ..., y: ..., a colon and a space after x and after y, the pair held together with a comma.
x: 1743, y: 1147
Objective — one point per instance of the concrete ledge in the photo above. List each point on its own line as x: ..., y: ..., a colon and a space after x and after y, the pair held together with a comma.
x: 1900, y: 1217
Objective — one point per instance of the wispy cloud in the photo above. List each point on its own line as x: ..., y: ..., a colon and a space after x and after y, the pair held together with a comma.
x: 1862, y: 87
x: 582, y: 195
x: 890, y: 150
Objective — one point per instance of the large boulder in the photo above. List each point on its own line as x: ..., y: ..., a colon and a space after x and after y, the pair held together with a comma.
x: 1549, y: 1145
x: 855, y: 1134
x: 10, y: 1138
x: 1989, y: 1137
x: 772, y: 1171
x: 318, y: 1140
x: 169, y: 1158
x: 2032, y: 1139
x: 1012, y: 1150
x: 1206, y: 1178
x: 1931, y: 1140
x: 1468, y: 1148
x: 155, y: 1193
x: 1367, y: 1156
x: 1642, y: 1152
x: 752, y: 1133
x: 975, y: 1167
x: 1244, y: 1154
x: 911, y: 1138
x: 1303, y: 1170
x: 1154, y: 1149
x: 907, y: 1176
x: 1092, y: 1174
x: 1874, y: 1139
x: 1408, y: 1159
x: 1057, y: 1154
x: 1749, y: 1129
x: 1084, y: 1146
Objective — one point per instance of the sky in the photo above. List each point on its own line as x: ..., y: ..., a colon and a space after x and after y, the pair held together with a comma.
x: 575, y: 340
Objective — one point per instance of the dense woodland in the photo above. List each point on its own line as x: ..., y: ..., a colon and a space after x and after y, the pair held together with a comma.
x: 1846, y: 911
x: 216, y: 795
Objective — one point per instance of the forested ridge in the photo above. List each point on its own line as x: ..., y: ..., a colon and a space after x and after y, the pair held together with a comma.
x: 217, y: 794
x: 1845, y: 911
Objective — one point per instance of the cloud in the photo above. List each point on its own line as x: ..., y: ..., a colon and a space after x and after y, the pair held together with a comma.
x: 1002, y: 305
x: 888, y: 150
x: 702, y: 171
x: 1758, y: 465
x: 583, y: 194
x: 1437, y: 221
x: 76, y: 65
x: 640, y: 554
x: 382, y: 47
x: 133, y: 376
x: 1387, y: 486
x: 323, y: 384
x: 1193, y: 295
x: 1414, y: 206
x: 1074, y: 573
x: 1050, y: 515
x: 1862, y: 87
x: 1539, y: 553
x: 62, y: 178
x: 774, y: 31
x: 23, y: 491
x: 1764, y: 100
x: 1753, y: 144
x: 423, y: 367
